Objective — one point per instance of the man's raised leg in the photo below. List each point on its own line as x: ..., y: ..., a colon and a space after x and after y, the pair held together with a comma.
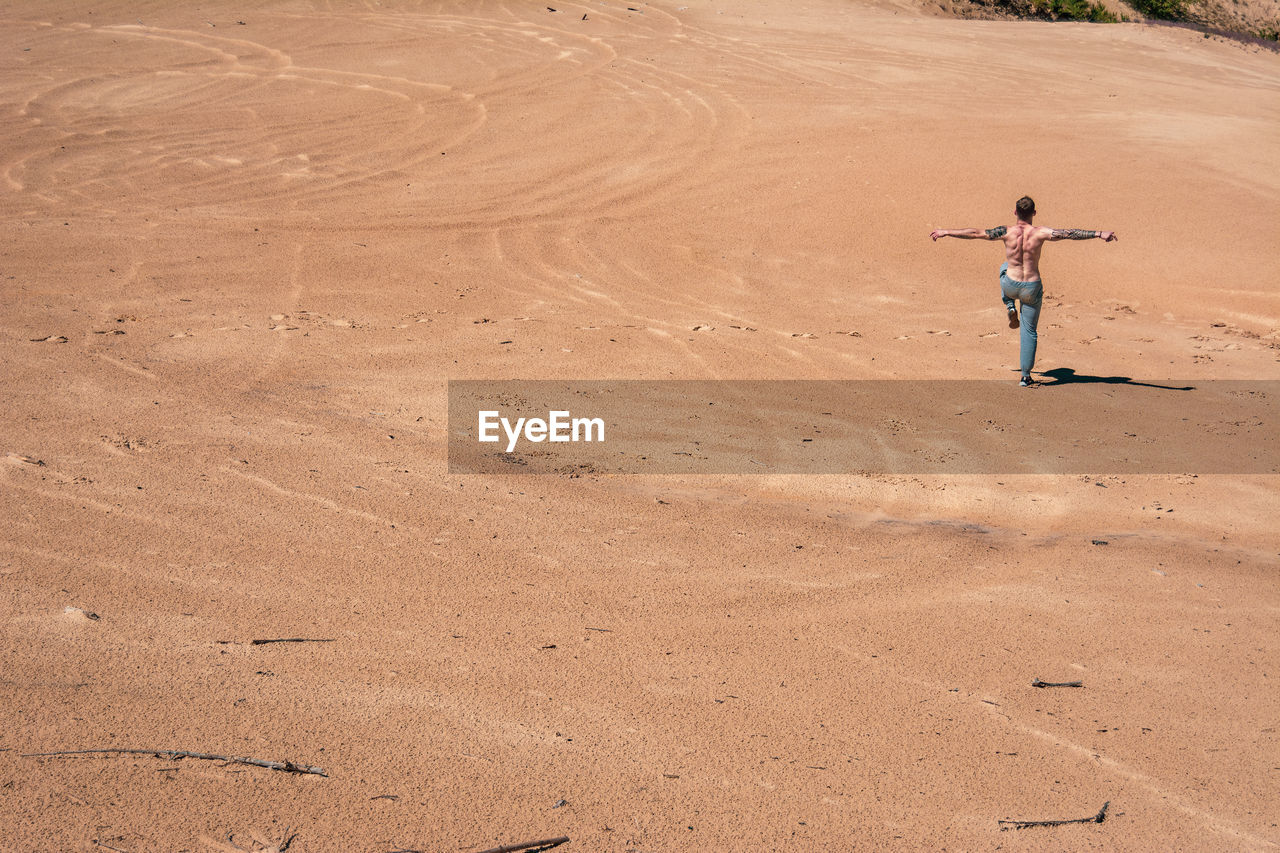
x: 1010, y: 305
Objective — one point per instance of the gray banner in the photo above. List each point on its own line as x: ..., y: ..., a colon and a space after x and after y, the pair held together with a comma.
x: 1072, y: 425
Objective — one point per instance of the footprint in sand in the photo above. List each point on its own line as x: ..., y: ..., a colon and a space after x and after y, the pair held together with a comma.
x: 258, y: 843
x: 137, y: 444
x: 704, y: 328
x: 76, y: 614
x: 51, y: 339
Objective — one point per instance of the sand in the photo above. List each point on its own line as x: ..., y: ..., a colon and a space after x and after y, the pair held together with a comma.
x: 246, y: 246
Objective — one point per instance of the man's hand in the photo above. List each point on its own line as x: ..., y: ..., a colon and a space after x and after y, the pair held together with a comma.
x: 938, y: 232
x: 1108, y: 236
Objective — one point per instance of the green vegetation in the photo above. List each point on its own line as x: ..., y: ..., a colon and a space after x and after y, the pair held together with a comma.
x: 1081, y: 10
x: 1058, y: 10
x: 1193, y: 12
x: 1165, y: 10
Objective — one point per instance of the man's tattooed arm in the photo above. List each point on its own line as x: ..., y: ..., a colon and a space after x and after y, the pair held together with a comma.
x: 997, y: 232
x: 1074, y: 234
x: 965, y: 233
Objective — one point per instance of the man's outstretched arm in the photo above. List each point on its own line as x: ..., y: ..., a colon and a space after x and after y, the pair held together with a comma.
x: 1081, y: 234
x: 971, y: 233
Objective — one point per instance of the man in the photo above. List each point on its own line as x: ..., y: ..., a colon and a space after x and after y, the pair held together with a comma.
x: 1020, y: 274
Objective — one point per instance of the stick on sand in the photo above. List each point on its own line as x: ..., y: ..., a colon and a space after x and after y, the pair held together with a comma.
x: 1023, y: 824
x: 287, y: 640
x: 529, y: 845
x: 285, y: 766
x: 1038, y: 683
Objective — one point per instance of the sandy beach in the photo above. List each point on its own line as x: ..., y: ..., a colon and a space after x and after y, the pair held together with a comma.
x: 246, y: 247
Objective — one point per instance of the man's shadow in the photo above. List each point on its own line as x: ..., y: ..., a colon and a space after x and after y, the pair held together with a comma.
x: 1067, y: 376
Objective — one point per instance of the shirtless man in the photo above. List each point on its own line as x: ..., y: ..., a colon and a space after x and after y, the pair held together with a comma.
x: 1020, y: 274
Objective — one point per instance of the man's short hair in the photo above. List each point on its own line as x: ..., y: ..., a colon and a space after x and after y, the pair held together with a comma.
x: 1026, y: 206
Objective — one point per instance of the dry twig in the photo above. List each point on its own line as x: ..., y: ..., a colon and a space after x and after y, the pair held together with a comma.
x: 1023, y: 824
x: 288, y: 640
x: 108, y: 846
x: 544, y: 844
x: 286, y: 766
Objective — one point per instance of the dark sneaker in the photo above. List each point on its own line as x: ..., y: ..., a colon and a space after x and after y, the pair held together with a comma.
x: 1013, y: 318
x: 1026, y: 381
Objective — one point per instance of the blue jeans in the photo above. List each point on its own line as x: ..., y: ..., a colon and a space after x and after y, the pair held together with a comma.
x: 1029, y: 294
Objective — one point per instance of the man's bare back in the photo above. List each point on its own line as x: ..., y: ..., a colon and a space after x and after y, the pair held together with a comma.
x: 1022, y: 245
x: 1023, y: 242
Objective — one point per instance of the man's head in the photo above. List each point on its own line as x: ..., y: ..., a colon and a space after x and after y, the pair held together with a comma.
x: 1025, y: 208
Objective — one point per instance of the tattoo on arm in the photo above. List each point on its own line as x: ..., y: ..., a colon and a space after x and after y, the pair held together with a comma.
x: 1073, y: 234
x: 997, y: 232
